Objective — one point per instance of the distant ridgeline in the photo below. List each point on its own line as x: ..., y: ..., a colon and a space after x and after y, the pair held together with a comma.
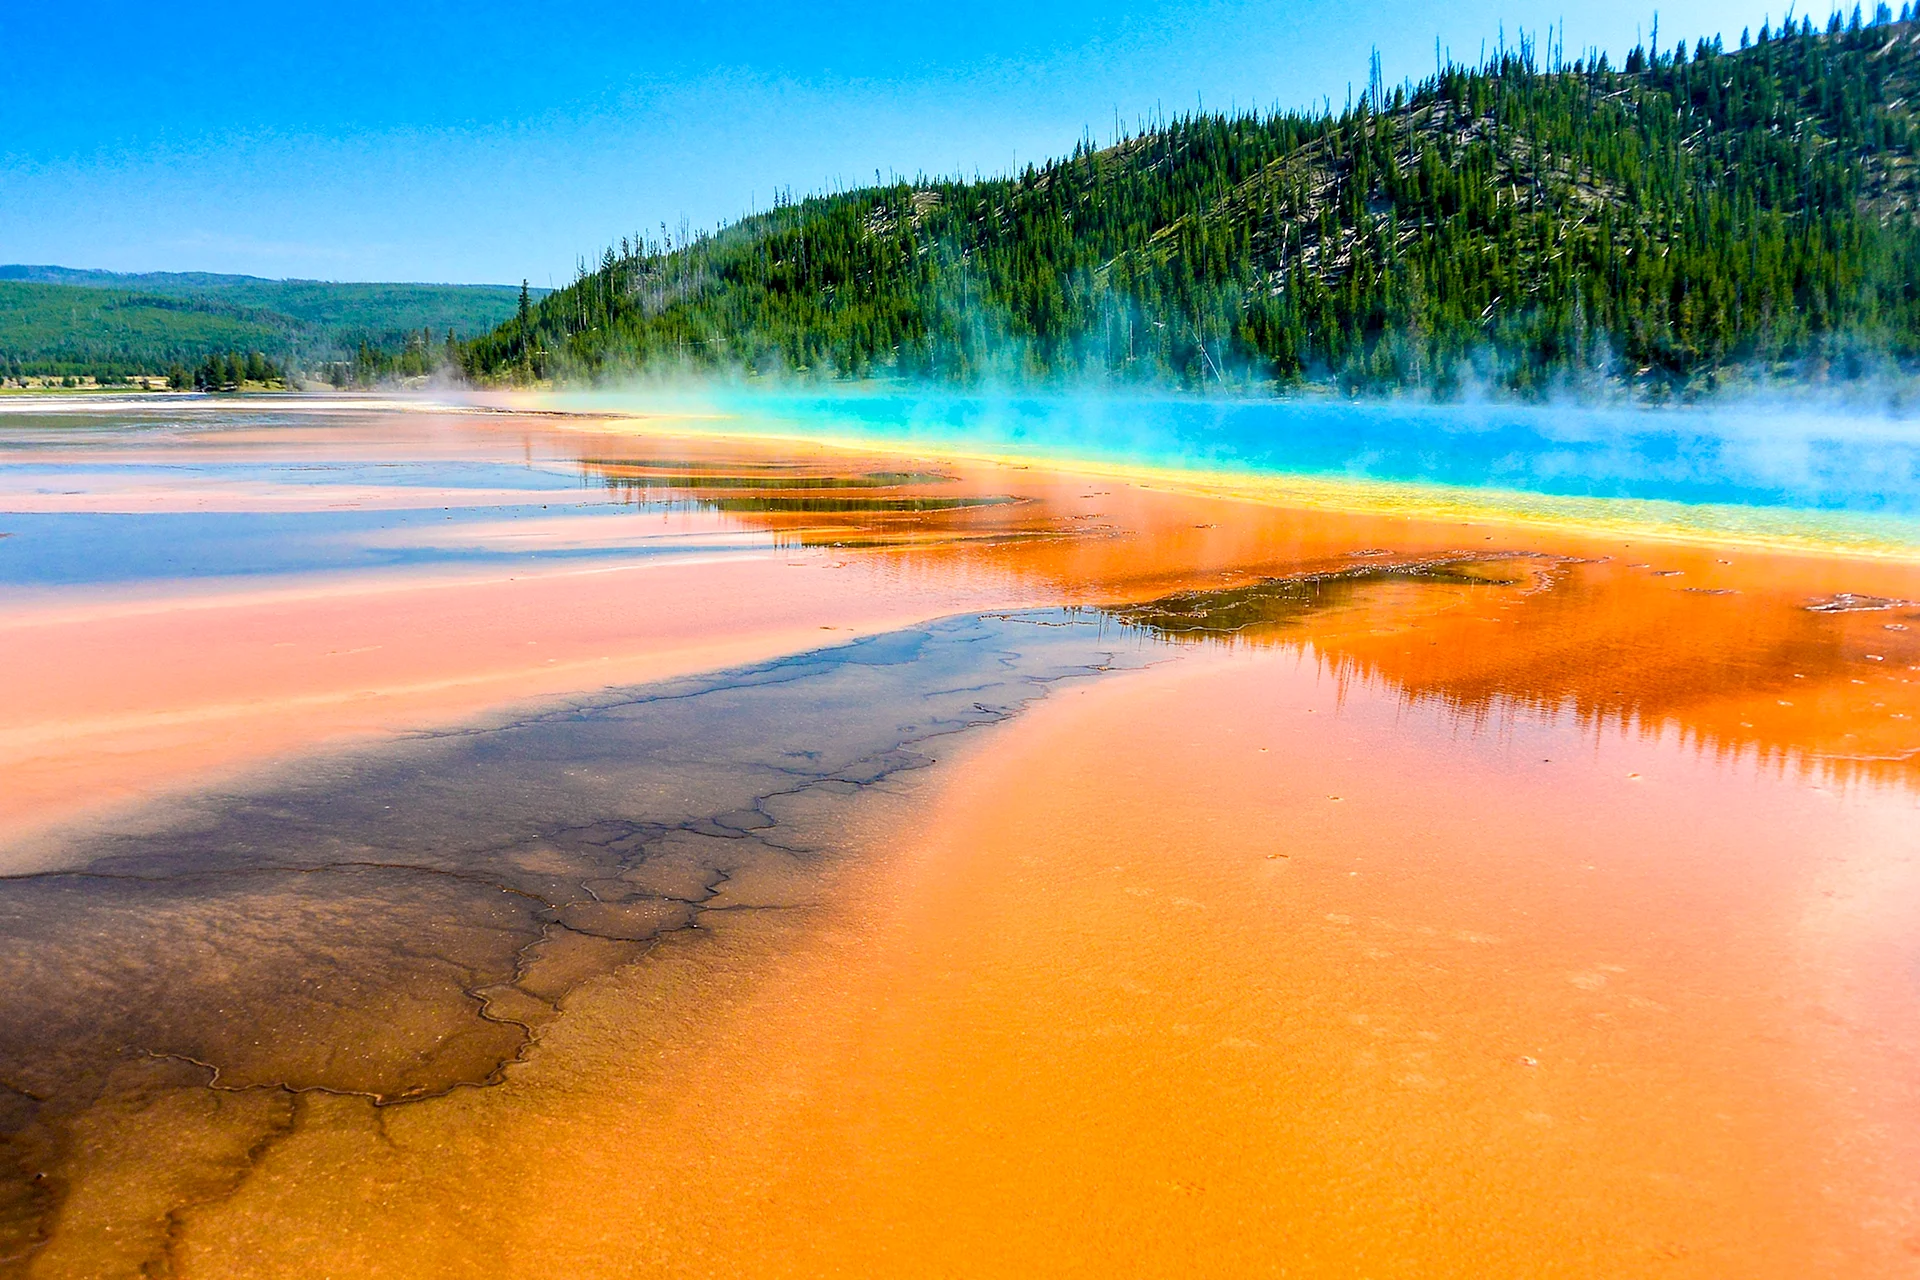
x: 55, y: 321
x: 1531, y: 222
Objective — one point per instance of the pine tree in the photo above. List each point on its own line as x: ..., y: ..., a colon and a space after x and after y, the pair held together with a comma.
x: 1666, y: 226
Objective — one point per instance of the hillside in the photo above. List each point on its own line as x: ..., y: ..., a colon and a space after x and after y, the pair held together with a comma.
x: 1695, y: 214
x: 61, y: 320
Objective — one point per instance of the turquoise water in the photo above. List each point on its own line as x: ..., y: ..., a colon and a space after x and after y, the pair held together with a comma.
x: 1833, y: 478
x: 1750, y: 455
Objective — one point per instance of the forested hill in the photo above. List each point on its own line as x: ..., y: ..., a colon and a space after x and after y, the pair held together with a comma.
x: 1531, y: 222
x: 58, y: 320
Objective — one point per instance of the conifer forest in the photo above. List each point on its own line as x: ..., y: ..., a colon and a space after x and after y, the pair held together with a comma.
x: 1695, y: 216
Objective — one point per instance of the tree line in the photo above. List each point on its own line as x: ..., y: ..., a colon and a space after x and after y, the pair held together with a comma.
x: 420, y: 355
x: 218, y: 371
x: 229, y: 372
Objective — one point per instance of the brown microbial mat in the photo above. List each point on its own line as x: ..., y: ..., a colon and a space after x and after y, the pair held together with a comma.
x: 574, y: 861
x: 394, y: 926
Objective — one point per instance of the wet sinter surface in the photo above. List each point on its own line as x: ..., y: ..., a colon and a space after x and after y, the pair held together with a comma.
x: 397, y: 925
x: 1154, y: 882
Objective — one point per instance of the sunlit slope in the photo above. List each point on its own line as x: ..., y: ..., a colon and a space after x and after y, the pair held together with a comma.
x: 1535, y: 220
x: 62, y: 329
x: 60, y: 320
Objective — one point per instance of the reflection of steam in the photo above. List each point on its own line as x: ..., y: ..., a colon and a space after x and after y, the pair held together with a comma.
x: 676, y: 530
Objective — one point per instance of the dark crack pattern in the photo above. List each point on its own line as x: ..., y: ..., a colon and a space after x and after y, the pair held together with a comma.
x: 391, y: 925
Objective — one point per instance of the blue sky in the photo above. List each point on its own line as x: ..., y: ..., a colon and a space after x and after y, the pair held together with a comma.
x: 487, y: 141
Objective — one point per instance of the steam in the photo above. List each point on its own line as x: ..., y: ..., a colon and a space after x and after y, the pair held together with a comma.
x: 1807, y: 453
